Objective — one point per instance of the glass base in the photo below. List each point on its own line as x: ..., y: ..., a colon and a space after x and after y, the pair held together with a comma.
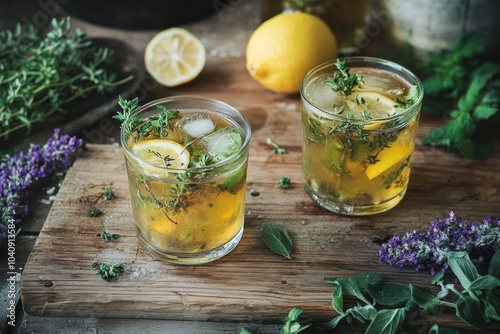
x: 352, y: 210
x: 192, y: 258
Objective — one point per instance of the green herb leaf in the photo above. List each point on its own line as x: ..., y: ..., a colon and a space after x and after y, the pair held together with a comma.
x: 424, y: 298
x: 442, y: 330
x: 462, y: 267
x: 387, y: 321
x: 494, y: 267
x: 277, y: 149
x: 108, y: 271
x: 293, y: 324
x: 338, y: 300
x: 470, y: 311
x: 277, y: 239
x: 390, y: 294
x: 284, y: 182
x: 491, y: 305
x: 357, y: 285
x: 246, y: 330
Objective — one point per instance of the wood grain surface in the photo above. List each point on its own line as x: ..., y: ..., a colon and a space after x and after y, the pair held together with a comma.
x: 251, y: 283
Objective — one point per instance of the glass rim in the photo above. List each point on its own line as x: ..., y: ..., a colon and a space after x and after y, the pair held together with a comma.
x: 401, y: 70
x: 244, y: 124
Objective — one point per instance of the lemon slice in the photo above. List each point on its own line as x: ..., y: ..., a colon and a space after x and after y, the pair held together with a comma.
x: 174, y: 57
x: 162, y: 153
x: 375, y: 104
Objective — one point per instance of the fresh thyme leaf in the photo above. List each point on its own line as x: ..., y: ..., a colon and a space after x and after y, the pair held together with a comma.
x: 277, y: 239
x: 284, y: 182
x: 106, y: 236
x: 276, y: 147
x: 94, y: 213
x: 343, y: 81
x: 108, y: 194
x: 108, y: 271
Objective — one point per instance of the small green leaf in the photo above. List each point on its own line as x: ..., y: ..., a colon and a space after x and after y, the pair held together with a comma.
x: 357, y: 285
x: 332, y: 323
x: 387, y: 321
x: 494, y: 267
x: 491, y: 305
x: 390, y: 294
x: 246, y: 330
x: 470, y: 311
x: 338, y: 300
x: 442, y: 330
x: 277, y: 239
x: 424, y: 298
x: 462, y: 267
x: 484, y: 283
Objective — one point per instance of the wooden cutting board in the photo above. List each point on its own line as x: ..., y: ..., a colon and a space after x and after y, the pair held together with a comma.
x: 251, y: 283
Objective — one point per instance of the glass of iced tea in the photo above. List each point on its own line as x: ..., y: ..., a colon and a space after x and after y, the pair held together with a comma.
x: 186, y: 161
x: 359, y: 124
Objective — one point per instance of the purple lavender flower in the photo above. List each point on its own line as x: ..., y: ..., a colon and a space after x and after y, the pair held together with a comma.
x: 22, y: 173
x: 424, y: 249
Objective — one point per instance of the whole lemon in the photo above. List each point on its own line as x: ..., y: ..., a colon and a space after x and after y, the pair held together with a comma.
x: 284, y: 48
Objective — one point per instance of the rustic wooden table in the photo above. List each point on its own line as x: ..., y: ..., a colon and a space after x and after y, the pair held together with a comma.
x: 326, y: 244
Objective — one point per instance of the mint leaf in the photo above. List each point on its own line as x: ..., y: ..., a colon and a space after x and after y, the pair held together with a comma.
x: 387, y: 321
x: 491, y: 305
x: 390, y: 294
x: 487, y: 106
x: 470, y: 311
x: 338, y: 300
x: 494, y: 267
x: 276, y: 238
x: 424, y: 298
x: 357, y: 285
x: 462, y: 267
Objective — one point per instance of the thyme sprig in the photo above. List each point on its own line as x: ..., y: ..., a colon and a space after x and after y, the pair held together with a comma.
x: 137, y: 128
x: 40, y: 73
x: 108, y: 271
x: 342, y: 80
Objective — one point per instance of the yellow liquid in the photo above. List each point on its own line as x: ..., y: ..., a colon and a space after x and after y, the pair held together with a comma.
x: 187, y: 213
x: 362, y: 168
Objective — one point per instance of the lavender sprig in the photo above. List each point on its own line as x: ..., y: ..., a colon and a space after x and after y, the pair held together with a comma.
x: 23, y: 172
x: 424, y: 249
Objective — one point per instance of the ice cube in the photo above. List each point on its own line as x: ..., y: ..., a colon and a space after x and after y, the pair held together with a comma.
x: 222, y: 143
x: 197, y: 125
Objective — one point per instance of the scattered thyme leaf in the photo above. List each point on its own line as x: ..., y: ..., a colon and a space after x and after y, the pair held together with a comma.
x: 108, y: 271
x: 277, y: 149
x: 108, y: 194
x: 106, y: 236
x: 94, y: 213
x: 277, y: 239
x: 284, y: 182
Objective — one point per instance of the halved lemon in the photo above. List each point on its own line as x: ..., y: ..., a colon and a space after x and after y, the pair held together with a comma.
x: 174, y: 57
x: 162, y: 153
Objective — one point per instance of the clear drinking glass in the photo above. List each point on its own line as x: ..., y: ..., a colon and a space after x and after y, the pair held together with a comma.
x: 357, y: 148
x: 187, y: 178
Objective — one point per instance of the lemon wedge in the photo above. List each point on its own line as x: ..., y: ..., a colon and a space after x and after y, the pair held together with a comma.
x: 397, y: 152
x: 162, y: 153
x: 174, y: 57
